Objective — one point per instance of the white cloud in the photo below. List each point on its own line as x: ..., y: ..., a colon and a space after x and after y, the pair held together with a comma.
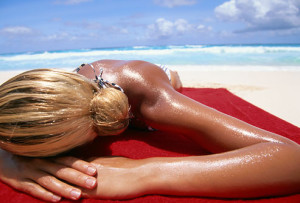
x: 71, y: 2
x: 174, y: 3
x: 163, y: 28
x: 203, y: 28
x: 16, y: 30
x: 57, y: 36
x: 261, y: 14
x: 182, y: 25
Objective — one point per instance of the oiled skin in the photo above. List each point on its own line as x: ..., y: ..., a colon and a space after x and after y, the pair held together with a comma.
x: 250, y: 162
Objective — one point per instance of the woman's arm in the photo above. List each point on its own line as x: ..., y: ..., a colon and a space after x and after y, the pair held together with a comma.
x: 257, y: 171
x: 213, y: 130
x: 261, y: 170
x: 253, y: 162
x: 44, y: 178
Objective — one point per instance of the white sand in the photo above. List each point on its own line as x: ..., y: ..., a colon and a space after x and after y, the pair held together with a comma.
x: 5, y: 75
x: 274, y: 91
x: 277, y: 92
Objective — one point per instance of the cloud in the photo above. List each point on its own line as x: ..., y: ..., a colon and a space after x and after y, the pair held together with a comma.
x: 16, y: 30
x: 26, y: 33
x: 261, y: 14
x: 163, y: 28
x: 71, y: 2
x: 59, y: 37
x: 203, y: 28
x: 182, y: 26
x: 174, y: 3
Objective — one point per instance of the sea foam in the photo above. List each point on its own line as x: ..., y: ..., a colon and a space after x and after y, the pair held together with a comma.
x: 201, y: 55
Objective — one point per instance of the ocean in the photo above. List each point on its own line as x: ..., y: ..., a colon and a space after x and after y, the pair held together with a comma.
x: 208, y: 57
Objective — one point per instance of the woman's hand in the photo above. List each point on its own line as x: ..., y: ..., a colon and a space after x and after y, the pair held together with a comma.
x: 47, y: 179
x: 118, y: 178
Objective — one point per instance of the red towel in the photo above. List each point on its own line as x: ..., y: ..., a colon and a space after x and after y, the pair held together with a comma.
x: 138, y: 144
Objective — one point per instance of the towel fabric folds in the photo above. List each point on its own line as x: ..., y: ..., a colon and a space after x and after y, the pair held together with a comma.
x: 141, y: 144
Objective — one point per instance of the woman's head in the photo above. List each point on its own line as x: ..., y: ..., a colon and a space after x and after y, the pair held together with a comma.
x: 44, y: 112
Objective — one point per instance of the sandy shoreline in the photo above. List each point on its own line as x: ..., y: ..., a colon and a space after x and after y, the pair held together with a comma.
x: 273, y: 91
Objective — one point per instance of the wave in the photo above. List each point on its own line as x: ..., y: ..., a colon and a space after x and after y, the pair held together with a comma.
x: 207, y: 55
x: 57, y: 55
x: 250, y: 49
x: 151, y: 51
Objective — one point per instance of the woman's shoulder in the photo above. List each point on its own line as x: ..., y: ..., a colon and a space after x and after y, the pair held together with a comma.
x: 138, y: 78
x: 137, y: 72
x: 139, y: 65
x: 114, y: 62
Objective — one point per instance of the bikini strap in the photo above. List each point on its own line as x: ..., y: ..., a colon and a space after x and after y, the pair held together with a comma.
x: 104, y: 83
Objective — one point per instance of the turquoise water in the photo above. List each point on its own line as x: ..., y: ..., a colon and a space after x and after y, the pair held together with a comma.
x: 285, y: 57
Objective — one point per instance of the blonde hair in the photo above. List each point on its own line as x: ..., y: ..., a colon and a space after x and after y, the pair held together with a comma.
x: 44, y: 112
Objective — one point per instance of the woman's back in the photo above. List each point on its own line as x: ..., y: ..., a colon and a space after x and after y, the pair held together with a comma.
x: 141, y: 81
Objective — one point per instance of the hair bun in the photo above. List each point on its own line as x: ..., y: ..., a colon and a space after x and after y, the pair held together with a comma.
x: 110, y: 111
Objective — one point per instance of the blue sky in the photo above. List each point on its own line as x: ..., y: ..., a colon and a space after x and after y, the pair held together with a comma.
x: 43, y: 25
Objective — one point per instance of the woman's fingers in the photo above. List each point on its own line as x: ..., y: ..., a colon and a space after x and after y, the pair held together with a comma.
x: 37, y: 191
x: 67, y: 174
x: 56, y: 186
x: 45, y: 179
x: 77, y: 164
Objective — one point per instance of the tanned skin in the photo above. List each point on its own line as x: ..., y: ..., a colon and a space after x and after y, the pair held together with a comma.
x: 249, y: 162
x: 246, y: 162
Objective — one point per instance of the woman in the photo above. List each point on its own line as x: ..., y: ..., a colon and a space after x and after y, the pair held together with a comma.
x: 249, y: 162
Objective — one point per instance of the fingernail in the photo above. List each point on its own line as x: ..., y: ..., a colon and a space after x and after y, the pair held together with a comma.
x: 55, y: 198
x: 91, y: 170
x: 90, y: 182
x: 75, y: 194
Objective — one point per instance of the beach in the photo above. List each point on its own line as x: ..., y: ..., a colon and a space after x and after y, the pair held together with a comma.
x: 272, y: 91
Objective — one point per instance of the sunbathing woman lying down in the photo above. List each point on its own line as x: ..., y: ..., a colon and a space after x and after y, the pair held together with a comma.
x: 46, y: 112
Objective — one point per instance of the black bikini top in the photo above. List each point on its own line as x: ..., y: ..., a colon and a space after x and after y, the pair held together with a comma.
x: 99, y: 80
